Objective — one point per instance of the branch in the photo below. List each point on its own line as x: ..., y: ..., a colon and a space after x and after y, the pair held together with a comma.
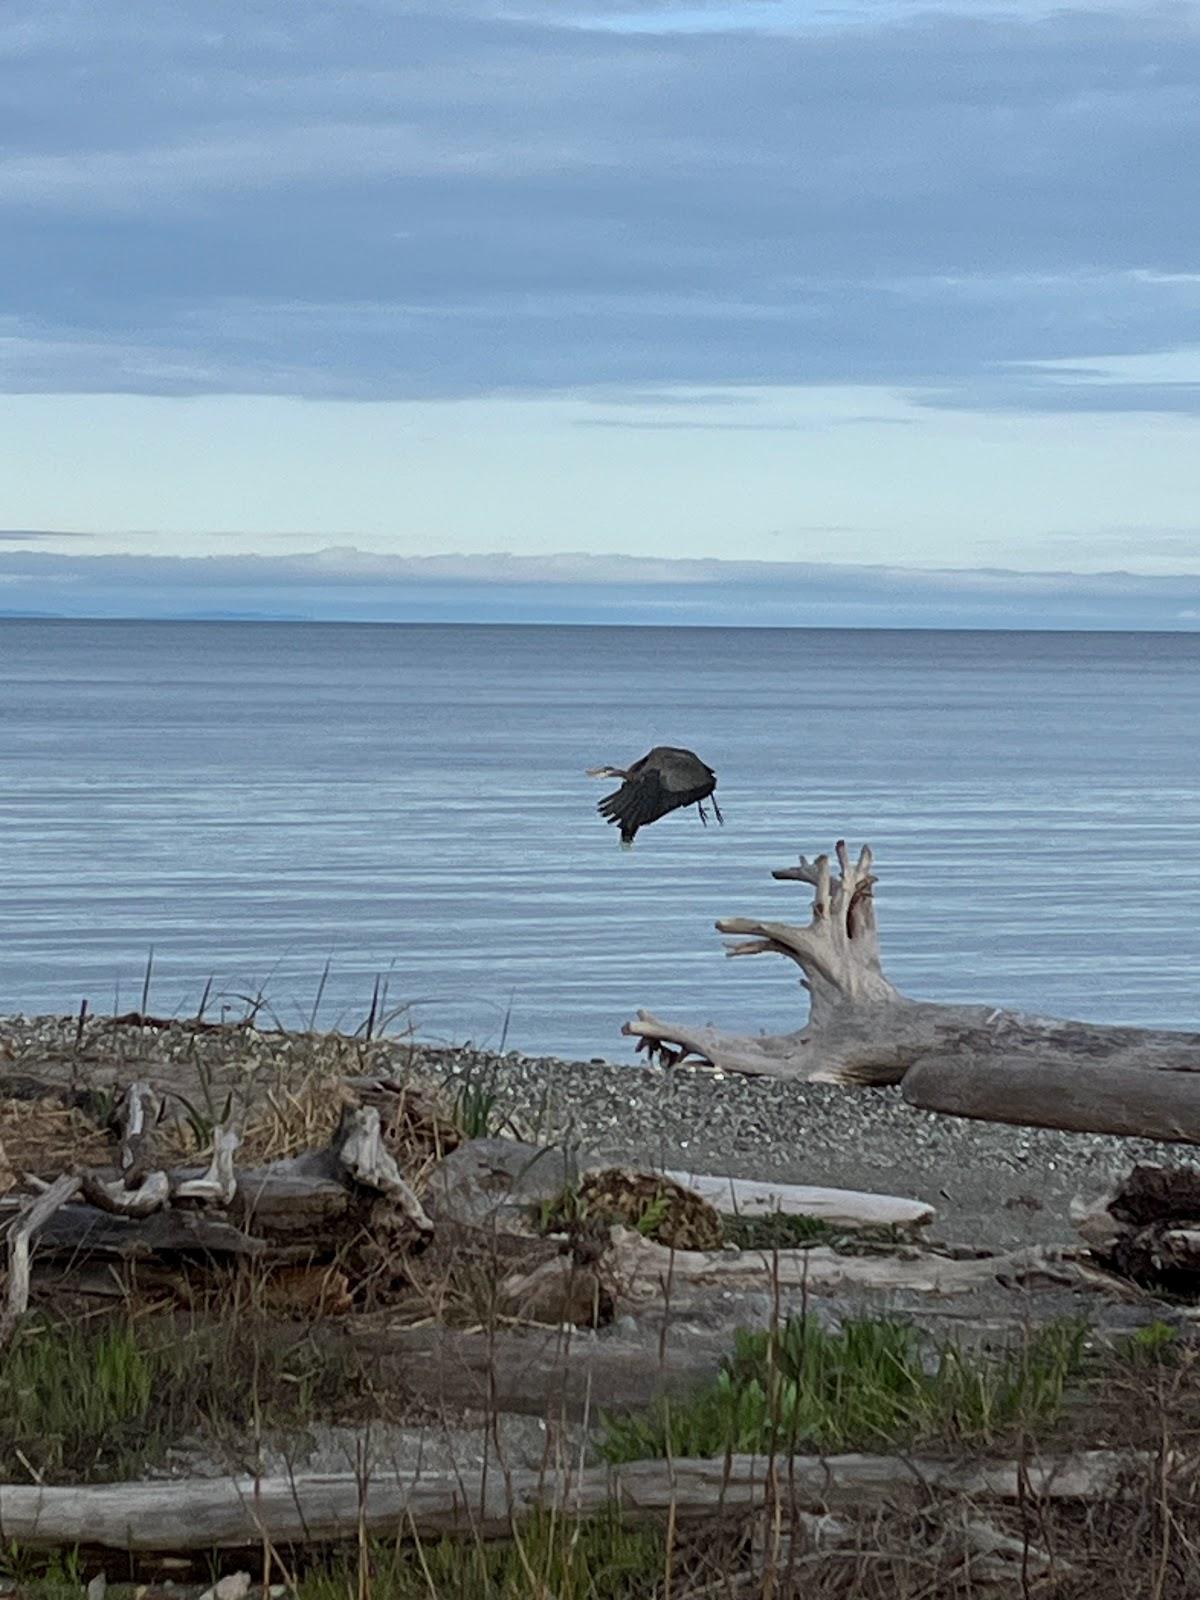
x: 20, y: 1235
x: 367, y: 1160
x: 219, y: 1183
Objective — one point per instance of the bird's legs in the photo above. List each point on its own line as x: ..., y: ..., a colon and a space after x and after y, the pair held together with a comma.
x: 704, y: 814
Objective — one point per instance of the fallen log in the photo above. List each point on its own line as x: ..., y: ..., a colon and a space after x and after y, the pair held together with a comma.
x: 535, y: 1372
x: 863, y: 1030
x: 842, y: 1207
x: 636, y: 1270
x: 82, y: 1230
x: 1048, y: 1090
x: 202, y: 1514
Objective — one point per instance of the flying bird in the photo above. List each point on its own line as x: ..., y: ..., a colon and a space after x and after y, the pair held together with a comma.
x: 662, y: 781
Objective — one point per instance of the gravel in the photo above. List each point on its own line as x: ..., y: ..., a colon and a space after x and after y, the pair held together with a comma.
x: 992, y: 1185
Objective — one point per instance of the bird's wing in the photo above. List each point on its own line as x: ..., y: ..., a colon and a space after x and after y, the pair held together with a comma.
x: 640, y: 800
x: 643, y: 799
x: 684, y: 773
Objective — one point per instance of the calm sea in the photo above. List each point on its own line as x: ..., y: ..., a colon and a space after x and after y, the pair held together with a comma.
x: 254, y: 800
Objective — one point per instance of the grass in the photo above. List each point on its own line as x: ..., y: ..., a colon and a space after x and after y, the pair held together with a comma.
x: 101, y: 1401
x: 602, y: 1559
x: 873, y: 1384
x: 476, y: 1111
x: 778, y: 1230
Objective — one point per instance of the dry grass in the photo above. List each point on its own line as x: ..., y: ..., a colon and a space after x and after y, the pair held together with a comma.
x: 45, y: 1137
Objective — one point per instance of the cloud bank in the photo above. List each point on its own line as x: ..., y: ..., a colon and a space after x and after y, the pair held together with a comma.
x: 346, y: 584
x: 395, y: 200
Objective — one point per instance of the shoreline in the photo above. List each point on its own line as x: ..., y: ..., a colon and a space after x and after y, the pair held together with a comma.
x: 991, y: 1184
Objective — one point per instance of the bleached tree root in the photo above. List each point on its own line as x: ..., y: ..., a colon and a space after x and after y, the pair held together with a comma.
x: 964, y: 1060
x: 205, y: 1514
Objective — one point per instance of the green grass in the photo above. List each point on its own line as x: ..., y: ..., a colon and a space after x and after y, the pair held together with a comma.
x: 596, y: 1560
x: 477, y: 1111
x: 105, y: 1400
x: 873, y: 1384
x: 777, y: 1230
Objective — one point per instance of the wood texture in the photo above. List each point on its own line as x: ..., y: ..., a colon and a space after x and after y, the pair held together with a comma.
x: 849, y: 1207
x: 862, y: 1030
x: 205, y: 1514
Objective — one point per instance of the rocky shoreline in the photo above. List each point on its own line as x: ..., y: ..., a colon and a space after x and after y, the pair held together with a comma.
x: 994, y: 1185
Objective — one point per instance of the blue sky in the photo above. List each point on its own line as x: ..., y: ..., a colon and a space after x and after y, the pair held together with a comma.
x: 893, y: 307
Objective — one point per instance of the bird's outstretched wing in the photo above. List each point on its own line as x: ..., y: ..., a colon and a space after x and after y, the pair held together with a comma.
x: 643, y: 798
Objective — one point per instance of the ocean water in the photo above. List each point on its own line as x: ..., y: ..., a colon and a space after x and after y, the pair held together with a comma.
x: 254, y: 801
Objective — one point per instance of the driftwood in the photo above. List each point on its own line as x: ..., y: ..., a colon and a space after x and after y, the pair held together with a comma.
x: 140, y: 1112
x: 79, y: 1231
x: 842, y: 1207
x: 152, y: 1194
x: 219, y: 1183
x: 1147, y: 1228
x: 39, y: 1213
x: 536, y: 1372
x: 634, y: 1271
x: 201, y: 1514
x: 642, y: 1269
x: 348, y: 1203
x: 967, y: 1060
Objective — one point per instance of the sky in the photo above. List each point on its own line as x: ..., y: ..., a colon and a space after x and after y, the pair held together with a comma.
x: 867, y: 312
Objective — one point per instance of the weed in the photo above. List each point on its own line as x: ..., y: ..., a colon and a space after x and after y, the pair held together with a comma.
x: 475, y: 1111
x: 1154, y: 1345
x: 597, y: 1560
x: 873, y: 1383
x: 777, y: 1230
x: 105, y: 1400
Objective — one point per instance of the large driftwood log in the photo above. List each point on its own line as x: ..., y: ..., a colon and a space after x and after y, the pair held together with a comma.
x: 967, y: 1060
x: 205, y: 1514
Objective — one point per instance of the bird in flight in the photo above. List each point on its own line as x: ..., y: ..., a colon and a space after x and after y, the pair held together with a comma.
x: 662, y: 781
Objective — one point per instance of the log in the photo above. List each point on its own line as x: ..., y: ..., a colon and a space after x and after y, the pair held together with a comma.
x: 204, y: 1514
x: 79, y: 1230
x: 1050, y: 1091
x: 641, y: 1269
x: 842, y: 1207
x: 536, y: 1372
x: 862, y: 1030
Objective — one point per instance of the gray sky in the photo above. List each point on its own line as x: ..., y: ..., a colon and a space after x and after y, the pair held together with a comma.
x: 910, y: 286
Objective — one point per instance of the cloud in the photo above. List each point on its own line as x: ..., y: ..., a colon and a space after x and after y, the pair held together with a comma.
x: 36, y: 535
x: 346, y: 583
x: 387, y: 201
